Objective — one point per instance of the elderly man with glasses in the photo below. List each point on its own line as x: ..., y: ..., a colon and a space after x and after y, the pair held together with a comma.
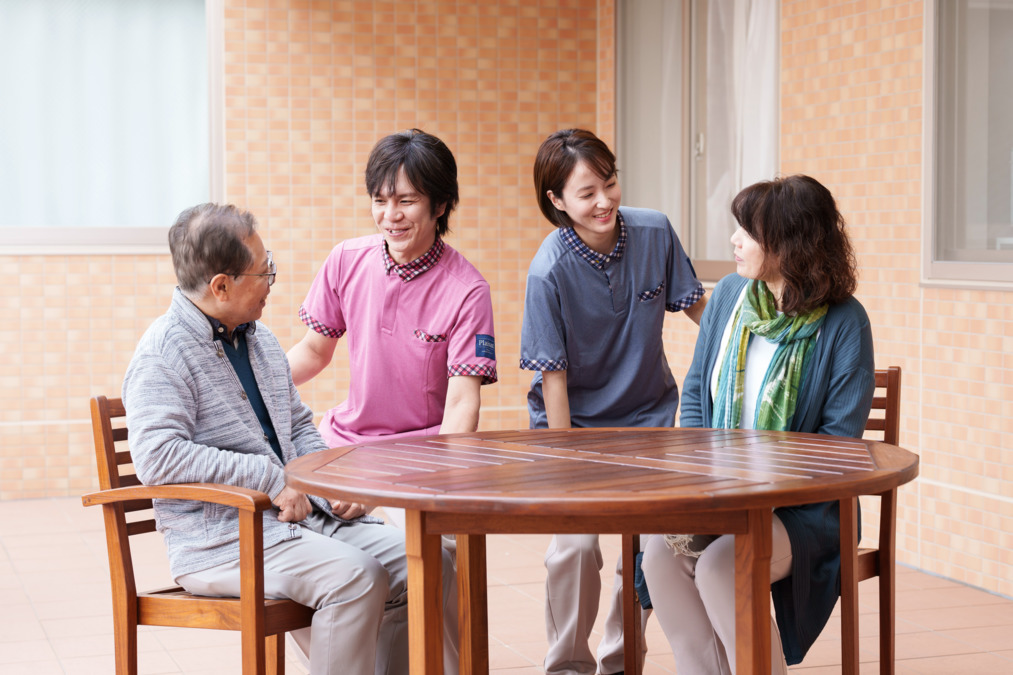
x: 209, y: 398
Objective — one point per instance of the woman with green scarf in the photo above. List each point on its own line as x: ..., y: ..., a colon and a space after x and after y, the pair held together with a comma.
x: 783, y: 345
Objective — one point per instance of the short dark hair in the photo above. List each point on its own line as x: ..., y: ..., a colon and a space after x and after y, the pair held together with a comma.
x: 796, y: 222
x: 428, y: 165
x: 210, y: 239
x: 556, y: 158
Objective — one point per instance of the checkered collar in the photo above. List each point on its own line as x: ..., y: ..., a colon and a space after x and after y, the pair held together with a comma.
x: 414, y: 268
x: 595, y: 259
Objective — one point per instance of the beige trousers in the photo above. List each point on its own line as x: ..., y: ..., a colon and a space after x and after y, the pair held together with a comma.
x: 356, y: 577
x: 694, y: 599
x: 573, y: 566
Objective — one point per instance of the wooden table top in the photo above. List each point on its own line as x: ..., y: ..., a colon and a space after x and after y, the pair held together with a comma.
x: 606, y: 471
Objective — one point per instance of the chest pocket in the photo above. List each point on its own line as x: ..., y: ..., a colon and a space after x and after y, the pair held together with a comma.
x: 647, y: 296
x: 427, y: 337
x: 430, y: 353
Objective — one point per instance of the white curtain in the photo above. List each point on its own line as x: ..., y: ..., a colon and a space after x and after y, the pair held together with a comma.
x: 104, y: 120
x: 742, y: 136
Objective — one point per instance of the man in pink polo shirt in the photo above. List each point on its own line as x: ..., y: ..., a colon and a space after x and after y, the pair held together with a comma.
x: 418, y: 315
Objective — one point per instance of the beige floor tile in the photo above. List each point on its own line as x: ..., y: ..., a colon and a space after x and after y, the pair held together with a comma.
x: 18, y: 623
x: 48, y: 667
x: 24, y: 651
x: 978, y: 664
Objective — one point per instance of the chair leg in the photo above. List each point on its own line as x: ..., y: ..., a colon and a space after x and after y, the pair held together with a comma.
x: 275, y: 648
x: 125, y: 641
x: 632, y: 657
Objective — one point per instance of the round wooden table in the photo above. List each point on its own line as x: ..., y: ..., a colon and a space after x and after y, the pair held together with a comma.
x: 611, y: 480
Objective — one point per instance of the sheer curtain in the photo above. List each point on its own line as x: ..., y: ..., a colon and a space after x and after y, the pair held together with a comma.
x: 698, y: 99
x: 105, y: 119
x: 743, y: 93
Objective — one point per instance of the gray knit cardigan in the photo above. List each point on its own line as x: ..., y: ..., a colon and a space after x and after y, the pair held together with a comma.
x: 190, y: 422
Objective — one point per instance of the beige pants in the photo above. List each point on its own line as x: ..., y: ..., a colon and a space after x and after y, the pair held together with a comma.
x: 694, y: 599
x: 573, y: 566
x: 356, y: 577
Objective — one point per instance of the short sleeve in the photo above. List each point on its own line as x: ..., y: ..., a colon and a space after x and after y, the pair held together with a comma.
x: 472, y: 341
x: 684, y: 289
x: 542, y: 343
x: 322, y: 308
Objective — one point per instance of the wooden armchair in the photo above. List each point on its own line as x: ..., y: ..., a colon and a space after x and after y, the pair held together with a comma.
x: 263, y: 623
x: 866, y: 563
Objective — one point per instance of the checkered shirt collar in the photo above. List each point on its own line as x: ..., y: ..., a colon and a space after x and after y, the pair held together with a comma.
x: 414, y: 268
x: 595, y: 259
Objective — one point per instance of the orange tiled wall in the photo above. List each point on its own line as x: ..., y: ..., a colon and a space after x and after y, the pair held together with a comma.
x: 851, y: 115
x: 310, y: 86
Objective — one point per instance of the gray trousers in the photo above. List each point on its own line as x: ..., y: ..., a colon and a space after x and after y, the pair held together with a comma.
x: 356, y: 577
x: 694, y: 599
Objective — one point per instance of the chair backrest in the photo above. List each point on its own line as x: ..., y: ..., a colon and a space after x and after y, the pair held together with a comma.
x: 115, y: 470
x: 887, y: 400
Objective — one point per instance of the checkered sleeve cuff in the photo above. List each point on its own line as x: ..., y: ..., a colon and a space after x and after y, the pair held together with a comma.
x: 487, y: 373
x: 305, y: 317
x: 687, y: 301
x: 544, y: 364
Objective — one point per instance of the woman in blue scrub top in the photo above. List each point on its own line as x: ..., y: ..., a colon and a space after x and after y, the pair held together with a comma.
x: 597, y: 292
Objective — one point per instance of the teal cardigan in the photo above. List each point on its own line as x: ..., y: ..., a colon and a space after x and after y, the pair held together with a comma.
x: 834, y: 398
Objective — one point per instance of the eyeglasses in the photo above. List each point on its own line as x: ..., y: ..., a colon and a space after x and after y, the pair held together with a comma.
x: 271, y: 274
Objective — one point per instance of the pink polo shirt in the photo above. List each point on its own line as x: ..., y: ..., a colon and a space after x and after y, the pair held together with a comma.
x: 405, y: 338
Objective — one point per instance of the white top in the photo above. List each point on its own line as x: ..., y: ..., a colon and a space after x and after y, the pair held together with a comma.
x: 759, y: 354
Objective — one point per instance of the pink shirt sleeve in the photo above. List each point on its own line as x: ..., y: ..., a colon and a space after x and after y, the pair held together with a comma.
x: 321, y: 310
x: 472, y: 348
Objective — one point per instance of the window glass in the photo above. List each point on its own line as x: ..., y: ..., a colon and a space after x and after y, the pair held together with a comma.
x: 105, y: 121
x: 973, y: 141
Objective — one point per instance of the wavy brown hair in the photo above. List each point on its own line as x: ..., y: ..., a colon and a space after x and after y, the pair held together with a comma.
x: 796, y: 222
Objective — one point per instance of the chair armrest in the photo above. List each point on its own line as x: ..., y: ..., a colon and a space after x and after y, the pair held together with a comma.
x: 226, y: 495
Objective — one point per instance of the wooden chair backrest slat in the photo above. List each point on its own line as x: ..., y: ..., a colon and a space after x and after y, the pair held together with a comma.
x: 130, y: 480
x: 140, y: 527
x: 887, y: 399
x: 112, y: 458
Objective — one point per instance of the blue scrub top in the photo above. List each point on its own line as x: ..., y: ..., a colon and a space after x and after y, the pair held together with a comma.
x: 600, y: 318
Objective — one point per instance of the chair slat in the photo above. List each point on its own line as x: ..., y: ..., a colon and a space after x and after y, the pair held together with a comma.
x: 140, y: 527
x: 129, y: 480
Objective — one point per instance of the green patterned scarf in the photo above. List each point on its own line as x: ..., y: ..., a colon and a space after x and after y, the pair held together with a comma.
x: 795, y: 335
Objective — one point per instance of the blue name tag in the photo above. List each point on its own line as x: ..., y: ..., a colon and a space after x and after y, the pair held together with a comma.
x: 485, y: 346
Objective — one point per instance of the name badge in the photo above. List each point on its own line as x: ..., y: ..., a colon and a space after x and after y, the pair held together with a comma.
x: 485, y: 346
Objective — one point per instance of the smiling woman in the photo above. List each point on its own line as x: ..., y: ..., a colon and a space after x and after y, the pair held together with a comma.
x: 105, y: 120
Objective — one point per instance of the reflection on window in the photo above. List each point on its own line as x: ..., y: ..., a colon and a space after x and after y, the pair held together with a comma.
x: 698, y: 113
x: 973, y: 200
x: 105, y: 119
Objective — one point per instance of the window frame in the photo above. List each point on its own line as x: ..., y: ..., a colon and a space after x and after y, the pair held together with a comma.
x: 934, y: 272
x: 140, y: 240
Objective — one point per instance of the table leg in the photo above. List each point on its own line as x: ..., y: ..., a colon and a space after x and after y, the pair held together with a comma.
x: 752, y: 594
x: 849, y: 586
x: 632, y: 656
x: 425, y: 596
x: 472, y: 603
